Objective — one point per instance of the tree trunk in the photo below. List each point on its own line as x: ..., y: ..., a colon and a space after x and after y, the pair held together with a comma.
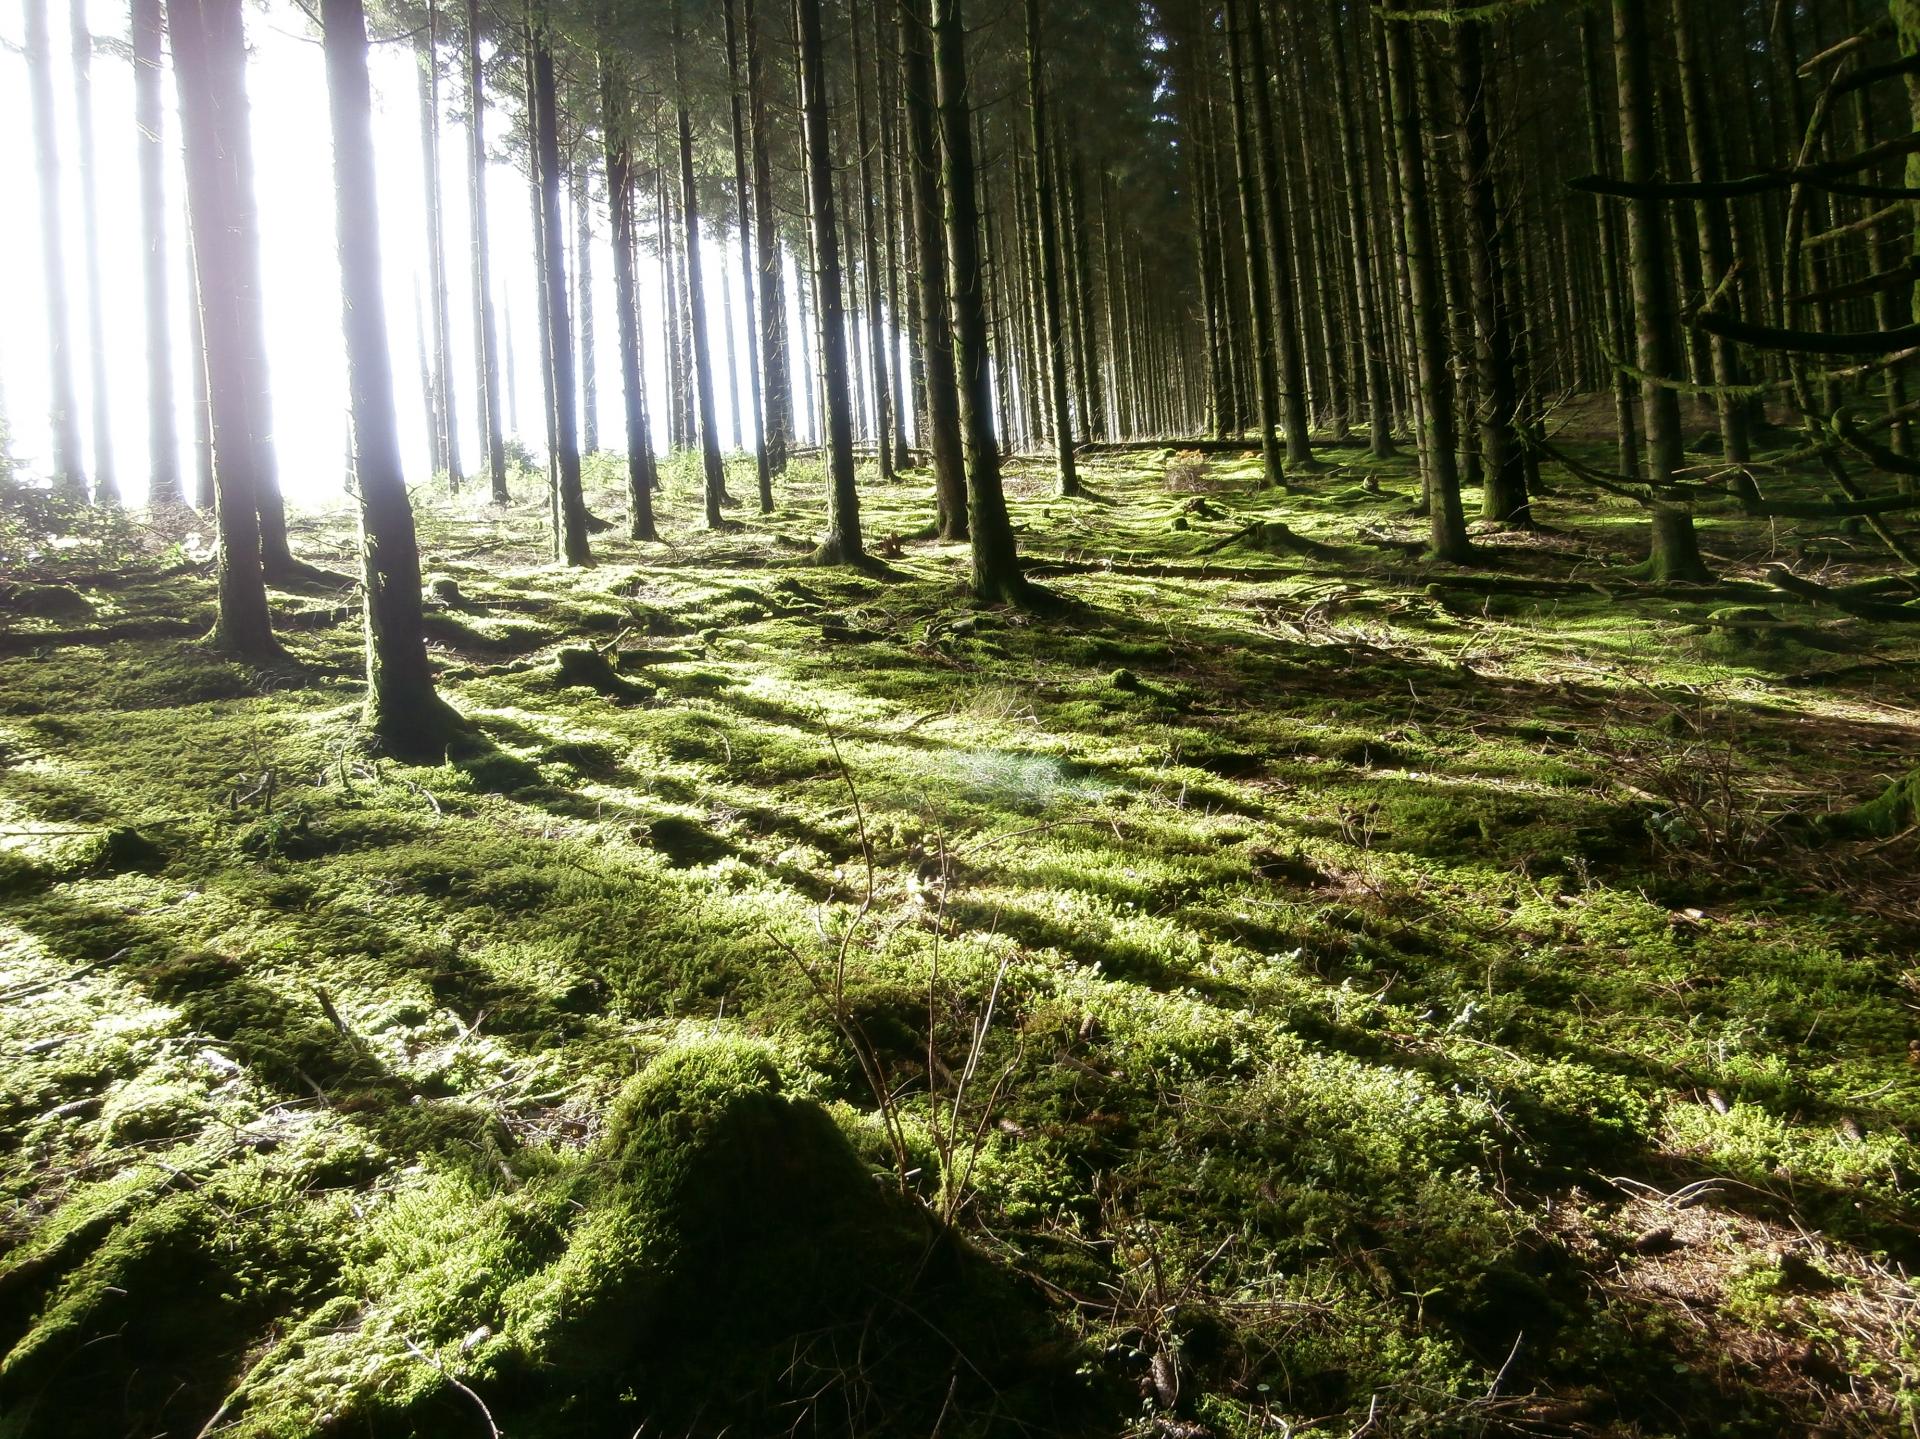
x: 106, y: 482
x: 447, y: 441
x: 996, y: 565
x: 842, y: 543
x: 775, y: 372
x: 583, y: 306
x: 1372, y: 338
x: 716, y: 475
x: 877, y: 329
x: 163, y: 445
x: 1447, y: 526
x: 1715, y: 236
x: 569, y: 505
x: 486, y: 340
x: 1618, y: 306
x: 1289, y: 366
x: 1503, y: 467
x: 69, y: 466
x: 1252, y: 220
x: 763, y: 473
x: 1674, y: 554
x: 403, y: 708
x: 616, y: 122
x: 936, y: 329
x: 204, y: 495
x: 209, y: 67
x: 1052, y: 322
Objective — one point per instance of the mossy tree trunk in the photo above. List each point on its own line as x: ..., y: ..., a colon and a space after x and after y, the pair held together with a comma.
x: 842, y: 543
x: 163, y: 456
x: 403, y: 708
x: 209, y: 65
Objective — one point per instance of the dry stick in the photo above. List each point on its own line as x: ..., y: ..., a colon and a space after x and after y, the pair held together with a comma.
x: 425, y: 1358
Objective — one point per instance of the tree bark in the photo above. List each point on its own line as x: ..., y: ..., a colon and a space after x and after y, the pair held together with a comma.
x: 716, y: 477
x: 842, y: 543
x: 1053, y: 327
x: 1252, y: 222
x: 1447, y: 526
x: 209, y: 66
x: 163, y: 442
x: 69, y: 465
x: 1289, y: 366
x: 106, y: 482
x: 1503, y: 468
x: 1674, y: 553
x: 582, y: 177
x: 485, y: 338
x: 616, y: 124
x: 775, y: 372
x: 763, y: 473
x: 997, y: 576
x: 403, y: 708
x: 936, y: 328
x: 877, y: 321
x: 570, y: 509
x: 447, y: 441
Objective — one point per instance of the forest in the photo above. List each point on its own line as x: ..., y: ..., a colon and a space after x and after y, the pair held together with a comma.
x: 1185, y: 719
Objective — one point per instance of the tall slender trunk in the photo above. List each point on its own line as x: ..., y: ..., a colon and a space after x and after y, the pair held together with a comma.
x: 403, y: 708
x: 996, y: 563
x: 1289, y: 366
x: 209, y: 66
x: 1675, y: 551
x: 69, y: 466
x: 842, y: 543
x: 446, y: 411
x: 163, y: 444
x: 763, y: 473
x: 1504, y: 478
x: 936, y: 327
x: 775, y: 372
x: 1052, y: 321
x: 716, y: 476
x: 1373, y: 342
x: 485, y: 338
x: 904, y: 390
x: 583, y: 305
x: 877, y: 328
x: 1266, y: 386
x: 1447, y: 525
x: 1618, y: 307
x: 1711, y: 220
x: 570, y: 509
x: 204, y: 495
x: 616, y: 125
x: 106, y: 482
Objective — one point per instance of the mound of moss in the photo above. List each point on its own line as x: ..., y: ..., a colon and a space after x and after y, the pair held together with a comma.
x: 721, y: 1261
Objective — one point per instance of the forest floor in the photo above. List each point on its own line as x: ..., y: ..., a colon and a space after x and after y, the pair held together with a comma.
x: 1269, y: 993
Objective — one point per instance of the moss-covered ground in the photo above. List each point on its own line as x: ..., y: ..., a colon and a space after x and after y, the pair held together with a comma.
x: 1279, y: 989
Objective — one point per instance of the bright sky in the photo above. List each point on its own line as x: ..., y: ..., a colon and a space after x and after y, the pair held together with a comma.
x: 294, y: 179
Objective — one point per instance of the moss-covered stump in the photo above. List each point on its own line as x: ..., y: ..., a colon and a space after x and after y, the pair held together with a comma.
x: 1893, y: 811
